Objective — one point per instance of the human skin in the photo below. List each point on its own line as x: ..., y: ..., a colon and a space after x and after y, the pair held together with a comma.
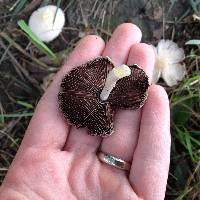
x: 56, y: 161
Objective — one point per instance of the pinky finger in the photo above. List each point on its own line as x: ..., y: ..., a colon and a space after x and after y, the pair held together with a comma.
x: 151, y: 159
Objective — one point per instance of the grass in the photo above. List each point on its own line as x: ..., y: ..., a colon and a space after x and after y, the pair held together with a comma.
x: 26, y: 66
x: 37, y: 42
x: 185, y: 110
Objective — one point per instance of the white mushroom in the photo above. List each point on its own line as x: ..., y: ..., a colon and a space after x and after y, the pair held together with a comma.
x: 168, y: 64
x: 47, y: 22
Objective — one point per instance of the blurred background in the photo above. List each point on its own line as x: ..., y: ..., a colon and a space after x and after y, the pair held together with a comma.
x: 26, y: 71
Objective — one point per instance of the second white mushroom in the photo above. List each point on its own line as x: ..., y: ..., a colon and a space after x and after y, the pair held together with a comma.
x: 47, y: 22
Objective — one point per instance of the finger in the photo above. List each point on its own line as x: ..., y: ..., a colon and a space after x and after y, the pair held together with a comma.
x: 47, y: 127
x: 120, y: 43
x: 122, y: 143
x: 151, y: 159
x: 117, y: 49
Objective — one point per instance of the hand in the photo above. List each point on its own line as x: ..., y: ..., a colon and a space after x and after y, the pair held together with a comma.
x: 59, y: 162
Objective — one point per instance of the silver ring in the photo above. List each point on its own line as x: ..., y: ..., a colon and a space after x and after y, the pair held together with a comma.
x: 114, y: 161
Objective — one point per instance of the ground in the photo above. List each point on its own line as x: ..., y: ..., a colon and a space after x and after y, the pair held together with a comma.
x: 25, y: 71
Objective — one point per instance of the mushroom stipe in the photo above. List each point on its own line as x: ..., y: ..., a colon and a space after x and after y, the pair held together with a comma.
x: 79, y: 96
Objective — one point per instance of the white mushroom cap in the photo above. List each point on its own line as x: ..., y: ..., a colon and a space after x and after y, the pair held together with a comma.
x: 45, y: 24
x: 169, y: 63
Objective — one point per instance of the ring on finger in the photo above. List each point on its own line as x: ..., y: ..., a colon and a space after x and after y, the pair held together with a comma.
x: 113, y: 161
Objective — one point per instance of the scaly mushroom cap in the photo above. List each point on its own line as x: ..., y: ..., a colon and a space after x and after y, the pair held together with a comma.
x: 79, y: 98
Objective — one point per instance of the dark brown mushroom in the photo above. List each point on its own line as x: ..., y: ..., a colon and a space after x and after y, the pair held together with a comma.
x: 79, y: 98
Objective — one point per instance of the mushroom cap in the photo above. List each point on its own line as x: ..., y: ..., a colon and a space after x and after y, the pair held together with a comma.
x: 47, y: 22
x: 131, y: 91
x: 79, y: 97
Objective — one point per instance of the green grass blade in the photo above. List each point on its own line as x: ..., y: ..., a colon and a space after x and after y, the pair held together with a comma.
x: 58, y: 5
x: 189, y: 145
x: 180, y: 136
x: 197, y: 142
x: 16, y: 115
x: 14, y: 5
x: 2, y: 119
x: 19, y: 6
x: 193, y: 42
x: 172, y: 2
x: 25, y: 104
x: 44, y: 3
x: 184, y: 98
x: 195, y: 6
x: 37, y: 42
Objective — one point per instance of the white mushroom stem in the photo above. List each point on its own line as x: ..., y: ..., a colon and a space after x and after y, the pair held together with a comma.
x: 114, y: 75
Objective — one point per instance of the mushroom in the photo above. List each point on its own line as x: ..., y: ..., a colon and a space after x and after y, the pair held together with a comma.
x: 91, y: 93
x: 169, y: 63
x: 47, y: 22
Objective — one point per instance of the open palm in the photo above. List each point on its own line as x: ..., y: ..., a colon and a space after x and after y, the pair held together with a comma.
x: 59, y: 162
